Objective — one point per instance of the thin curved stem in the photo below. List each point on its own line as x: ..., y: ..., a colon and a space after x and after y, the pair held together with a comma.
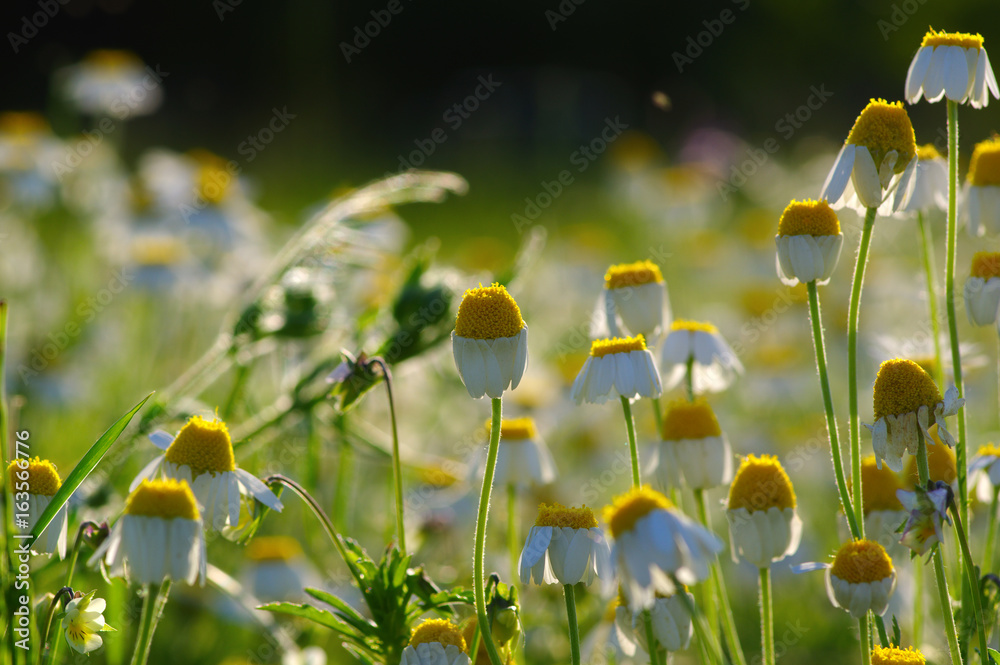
x: 152, y: 611
x: 657, y: 414
x: 574, y: 629
x: 852, y: 364
x: 512, y: 542
x: 973, y: 579
x: 484, y: 507
x: 633, y: 448
x: 397, y: 468
x: 718, y: 587
x: 48, y: 655
x: 927, y: 254
x: 69, y: 579
x: 653, y: 646
x: 766, y: 617
x: 831, y: 417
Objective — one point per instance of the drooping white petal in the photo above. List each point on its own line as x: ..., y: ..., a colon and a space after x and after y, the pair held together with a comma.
x: 865, y: 179
x: 161, y: 439
x: 494, y: 376
x: 934, y: 80
x: 147, y: 472
x: 840, y: 174
x: 956, y: 74
x: 917, y: 72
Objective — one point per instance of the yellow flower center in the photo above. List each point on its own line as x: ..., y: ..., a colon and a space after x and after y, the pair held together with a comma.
x: 761, y: 483
x: 990, y: 449
x: 214, y: 180
x: 941, y: 463
x: 927, y: 152
x: 694, y: 326
x: 23, y: 123
x: 632, y: 274
x: 690, y: 420
x: 42, y: 476
x: 166, y: 498
x: 437, y: 476
x: 157, y: 250
x: 112, y: 59
x: 942, y: 38
x: 895, y: 656
x: 984, y: 167
x: 808, y: 218
x: 861, y: 561
x: 559, y: 515
x: 629, y: 508
x: 883, y: 127
x: 902, y: 386
x: 985, y: 265
x: 602, y: 347
x: 273, y: 548
x: 878, y: 487
x: 437, y: 630
x: 488, y: 312
x: 203, y: 446
x: 518, y: 428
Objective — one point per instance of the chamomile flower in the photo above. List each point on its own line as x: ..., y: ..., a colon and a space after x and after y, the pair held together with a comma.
x: 670, y: 618
x: 490, y: 341
x: 952, y: 65
x: 436, y: 642
x: 202, y: 455
x: 892, y: 655
x: 926, y: 509
x: 982, y: 289
x: 112, y: 82
x: 982, y: 188
x: 880, y: 155
x: 987, y: 460
x: 883, y: 513
x: 693, y: 447
x: 861, y: 578
x: 564, y: 546
x: 29, y: 152
x: 277, y: 570
x: 84, y: 618
x: 636, y: 294
x: 905, y: 398
x: 617, y: 366
x: 39, y: 480
x: 763, y: 524
x: 808, y: 242
x: 713, y: 362
x: 523, y: 459
x: 656, y: 545
x: 160, y: 536
x: 930, y: 182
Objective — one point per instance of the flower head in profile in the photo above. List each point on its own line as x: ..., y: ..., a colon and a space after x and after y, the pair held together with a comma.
x: 982, y: 189
x: 39, y: 479
x: 83, y: 620
x: 566, y: 546
x: 523, y: 459
x: 883, y: 513
x: 670, y: 619
x: 713, y: 363
x: 617, y: 366
x: 982, y: 289
x: 490, y: 341
x: 112, y: 82
x: 764, y: 526
x: 636, y: 295
x: 861, y: 578
x: 808, y: 242
x: 930, y: 183
x: 693, y: 447
x: 927, y: 509
x: 879, y: 156
x: 905, y: 398
x: 892, y: 655
x: 987, y: 460
x: 952, y: 65
x: 436, y: 642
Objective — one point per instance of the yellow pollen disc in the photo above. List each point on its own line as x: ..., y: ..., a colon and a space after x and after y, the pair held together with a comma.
x: 902, y: 386
x: 990, y: 449
x: 559, y: 515
x: 808, y: 218
x: 437, y: 630
x: 603, y: 347
x: 896, y: 656
x: 941, y: 463
x: 861, y: 561
x: 984, y: 167
x: 437, y: 476
x: 629, y: 508
x: 632, y: 274
x: 761, y: 483
x: 883, y: 127
x: 214, y: 179
x: 273, y: 548
x: 942, y: 38
x: 111, y: 58
x: 878, y: 487
x: 23, y: 123
x: 690, y: 420
x: 166, y: 498
x: 517, y: 428
x: 985, y: 265
x: 488, y: 312
x: 42, y: 476
x: 927, y: 152
x: 694, y: 326
x: 157, y: 251
x: 203, y: 446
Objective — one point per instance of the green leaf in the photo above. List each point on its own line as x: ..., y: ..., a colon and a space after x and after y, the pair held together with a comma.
x: 83, y: 469
x: 306, y: 611
x: 994, y: 655
x: 348, y: 613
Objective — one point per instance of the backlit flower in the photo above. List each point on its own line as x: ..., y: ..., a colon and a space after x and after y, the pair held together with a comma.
x: 670, y: 619
x: 883, y: 513
x: 84, y: 618
x: 617, y: 366
x: 693, y: 447
x: 808, y: 242
x: 982, y: 188
x: 636, y: 294
x: 712, y: 360
x: 490, y: 341
x: 38, y: 480
x: 926, y: 510
x: 982, y: 289
x: 565, y: 546
x: 930, y: 182
x: 436, y: 642
x: 987, y: 460
x: 523, y: 459
x: 952, y: 65
x: 861, y: 578
x: 763, y: 524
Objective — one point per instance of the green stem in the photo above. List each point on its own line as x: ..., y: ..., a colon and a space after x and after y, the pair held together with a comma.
x: 991, y: 532
x: 657, y: 414
x: 927, y: 254
x: 973, y: 579
x: 397, y: 468
x: 717, y: 586
x: 701, y: 629
x: 574, y: 629
x: 866, y: 651
x: 345, y: 473
x: 918, y: 603
x: 512, y: 544
x: 831, y: 418
x: 484, y: 507
x: 653, y: 647
x: 242, y: 373
x: 689, y: 379
x: 49, y: 655
x: 152, y: 610
x: 766, y: 617
x: 633, y: 448
x: 69, y: 579
x: 852, y: 364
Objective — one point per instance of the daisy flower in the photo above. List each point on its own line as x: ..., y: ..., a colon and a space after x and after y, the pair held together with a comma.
x: 982, y: 188
x: 564, y: 546
x: 112, y: 82
x: 617, y: 366
x: 930, y: 182
x: 693, y: 447
x: 436, y: 642
x: 987, y: 460
x: 523, y: 458
x: 202, y: 455
x: 277, y: 570
x: 952, y: 65
x: 880, y: 155
x: 895, y: 656
x: 982, y: 289
x: 713, y: 362
x: 655, y: 545
x: 905, y: 397
x: 159, y: 536
x: 808, y: 242
x: 84, y: 618
x: 883, y: 513
x: 636, y: 294
x: 861, y: 578
x: 29, y: 153
x: 670, y: 618
x: 763, y: 524
x: 927, y: 509
x: 37, y: 480
x: 490, y: 341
